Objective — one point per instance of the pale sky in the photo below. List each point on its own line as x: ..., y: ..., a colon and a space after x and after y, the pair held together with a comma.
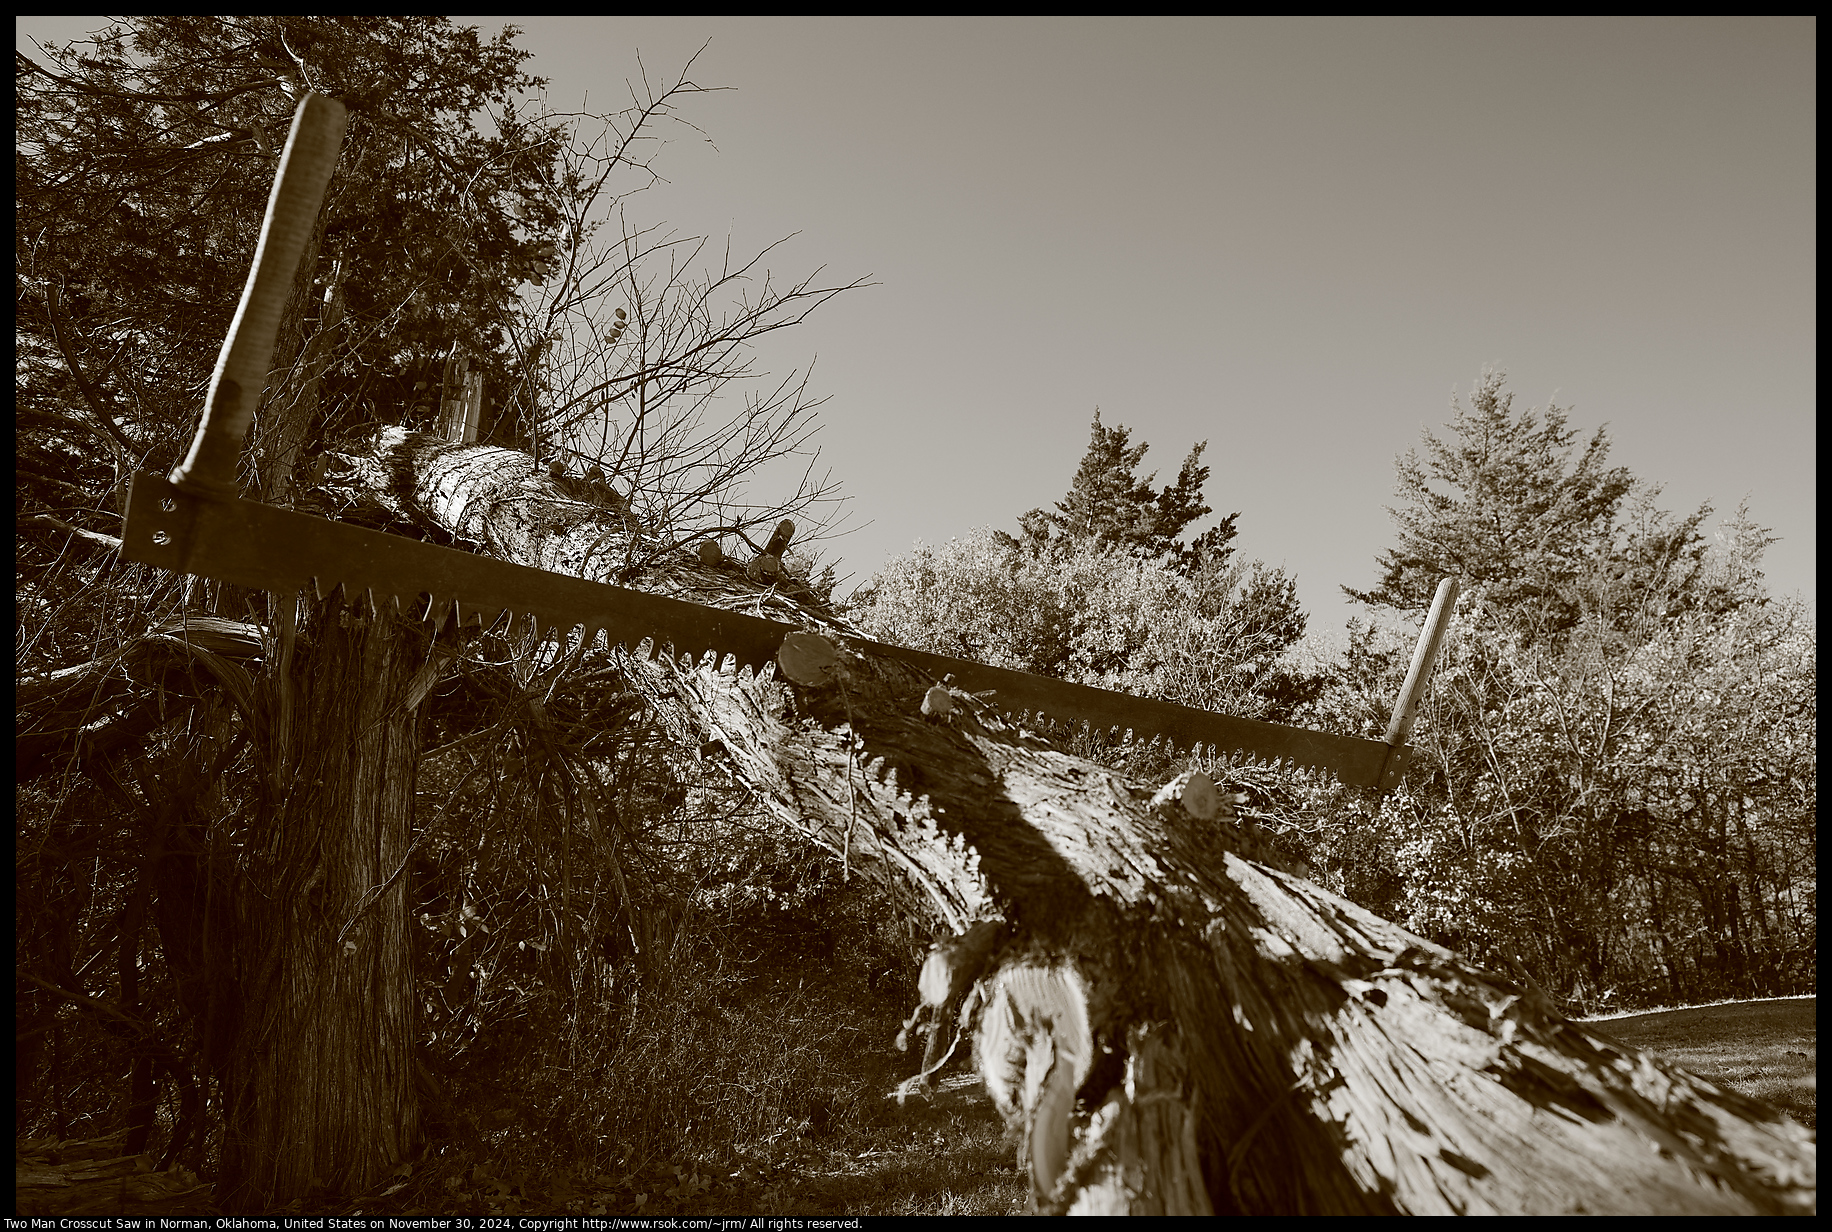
x: 1293, y: 238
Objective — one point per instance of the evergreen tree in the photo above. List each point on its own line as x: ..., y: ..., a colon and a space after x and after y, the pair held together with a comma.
x: 1216, y: 639
x: 1505, y: 504
x: 281, y: 803
x: 1110, y: 507
x: 145, y: 159
x: 1103, y: 591
x: 1613, y: 780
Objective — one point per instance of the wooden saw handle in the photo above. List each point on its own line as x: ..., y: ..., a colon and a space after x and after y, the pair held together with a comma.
x: 1424, y: 658
x: 248, y: 351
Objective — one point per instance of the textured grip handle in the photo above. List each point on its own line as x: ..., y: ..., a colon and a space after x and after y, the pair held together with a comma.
x: 248, y: 351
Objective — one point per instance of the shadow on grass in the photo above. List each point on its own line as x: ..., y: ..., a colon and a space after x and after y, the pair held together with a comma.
x: 1766, y: 1050
x: 946, y: 1157
x: 725, y: 1096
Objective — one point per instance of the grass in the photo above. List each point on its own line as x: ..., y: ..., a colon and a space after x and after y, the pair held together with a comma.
x: 1766, y: 1050
x: 782, y: 1110
x: 762, y: 1093
x: 846, y: 1149
x: 856, y: 1152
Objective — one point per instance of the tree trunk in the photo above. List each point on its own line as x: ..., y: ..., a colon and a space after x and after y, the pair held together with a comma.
x: 1170, y: 1026
x: 1321, y: 1059
x: 288, y: 941
x: 319, y: 1082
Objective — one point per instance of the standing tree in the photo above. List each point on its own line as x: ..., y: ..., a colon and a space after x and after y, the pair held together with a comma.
x: 1084, y: 612
x: 1567, y: 744
x: 1110, y: 507
x: 1103, y: 591
x: 275, y: 874
x: 275, y: 817
x: 1520, y: 516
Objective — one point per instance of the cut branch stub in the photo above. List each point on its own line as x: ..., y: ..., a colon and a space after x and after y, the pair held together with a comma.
x: 779, y: 542
x: 769, y: 561
x: 937, y: 701
x: 809, y: 659
x: 1194, y: 792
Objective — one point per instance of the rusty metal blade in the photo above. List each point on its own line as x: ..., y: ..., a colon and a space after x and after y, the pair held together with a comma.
x: 261, y: 547
x: 1361, y: 763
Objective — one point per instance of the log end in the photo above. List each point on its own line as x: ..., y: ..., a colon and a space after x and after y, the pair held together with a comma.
x: 1035, y: 1046
x: 809, y: 659
x: 1193, y: 793
x: 938, y: 702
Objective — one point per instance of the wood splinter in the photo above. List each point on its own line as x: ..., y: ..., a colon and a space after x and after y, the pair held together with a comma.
x: 945, y: 1010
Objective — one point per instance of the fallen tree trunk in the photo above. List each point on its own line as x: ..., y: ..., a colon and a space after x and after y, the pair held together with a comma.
x: 1172, y: 1027
x: 1205, y: 1008
x: 75, y: 1179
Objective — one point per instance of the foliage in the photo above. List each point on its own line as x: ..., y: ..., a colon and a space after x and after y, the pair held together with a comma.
x: 635, y: 988
x: 1103, y: 592
x: 1521, y: 516
x: 1109, y: 506
x: 1089, y: 614
x: 548, y: 864
x: 1614, y: 780
x: 144, y: 163
x: 465, y: 224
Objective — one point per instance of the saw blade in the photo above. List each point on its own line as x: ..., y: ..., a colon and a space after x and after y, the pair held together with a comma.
x: 1044, y: 700
x: 264, y: 548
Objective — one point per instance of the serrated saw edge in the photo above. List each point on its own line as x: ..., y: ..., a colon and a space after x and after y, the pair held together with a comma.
x: 233, y: 541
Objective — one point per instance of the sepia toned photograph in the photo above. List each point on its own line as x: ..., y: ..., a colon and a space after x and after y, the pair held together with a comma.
x: 758, y: 620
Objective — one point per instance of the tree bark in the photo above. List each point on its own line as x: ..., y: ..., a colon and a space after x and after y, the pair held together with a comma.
x: 301, y: 986
x: 1170, y: 1026
x: 319, y: 1081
